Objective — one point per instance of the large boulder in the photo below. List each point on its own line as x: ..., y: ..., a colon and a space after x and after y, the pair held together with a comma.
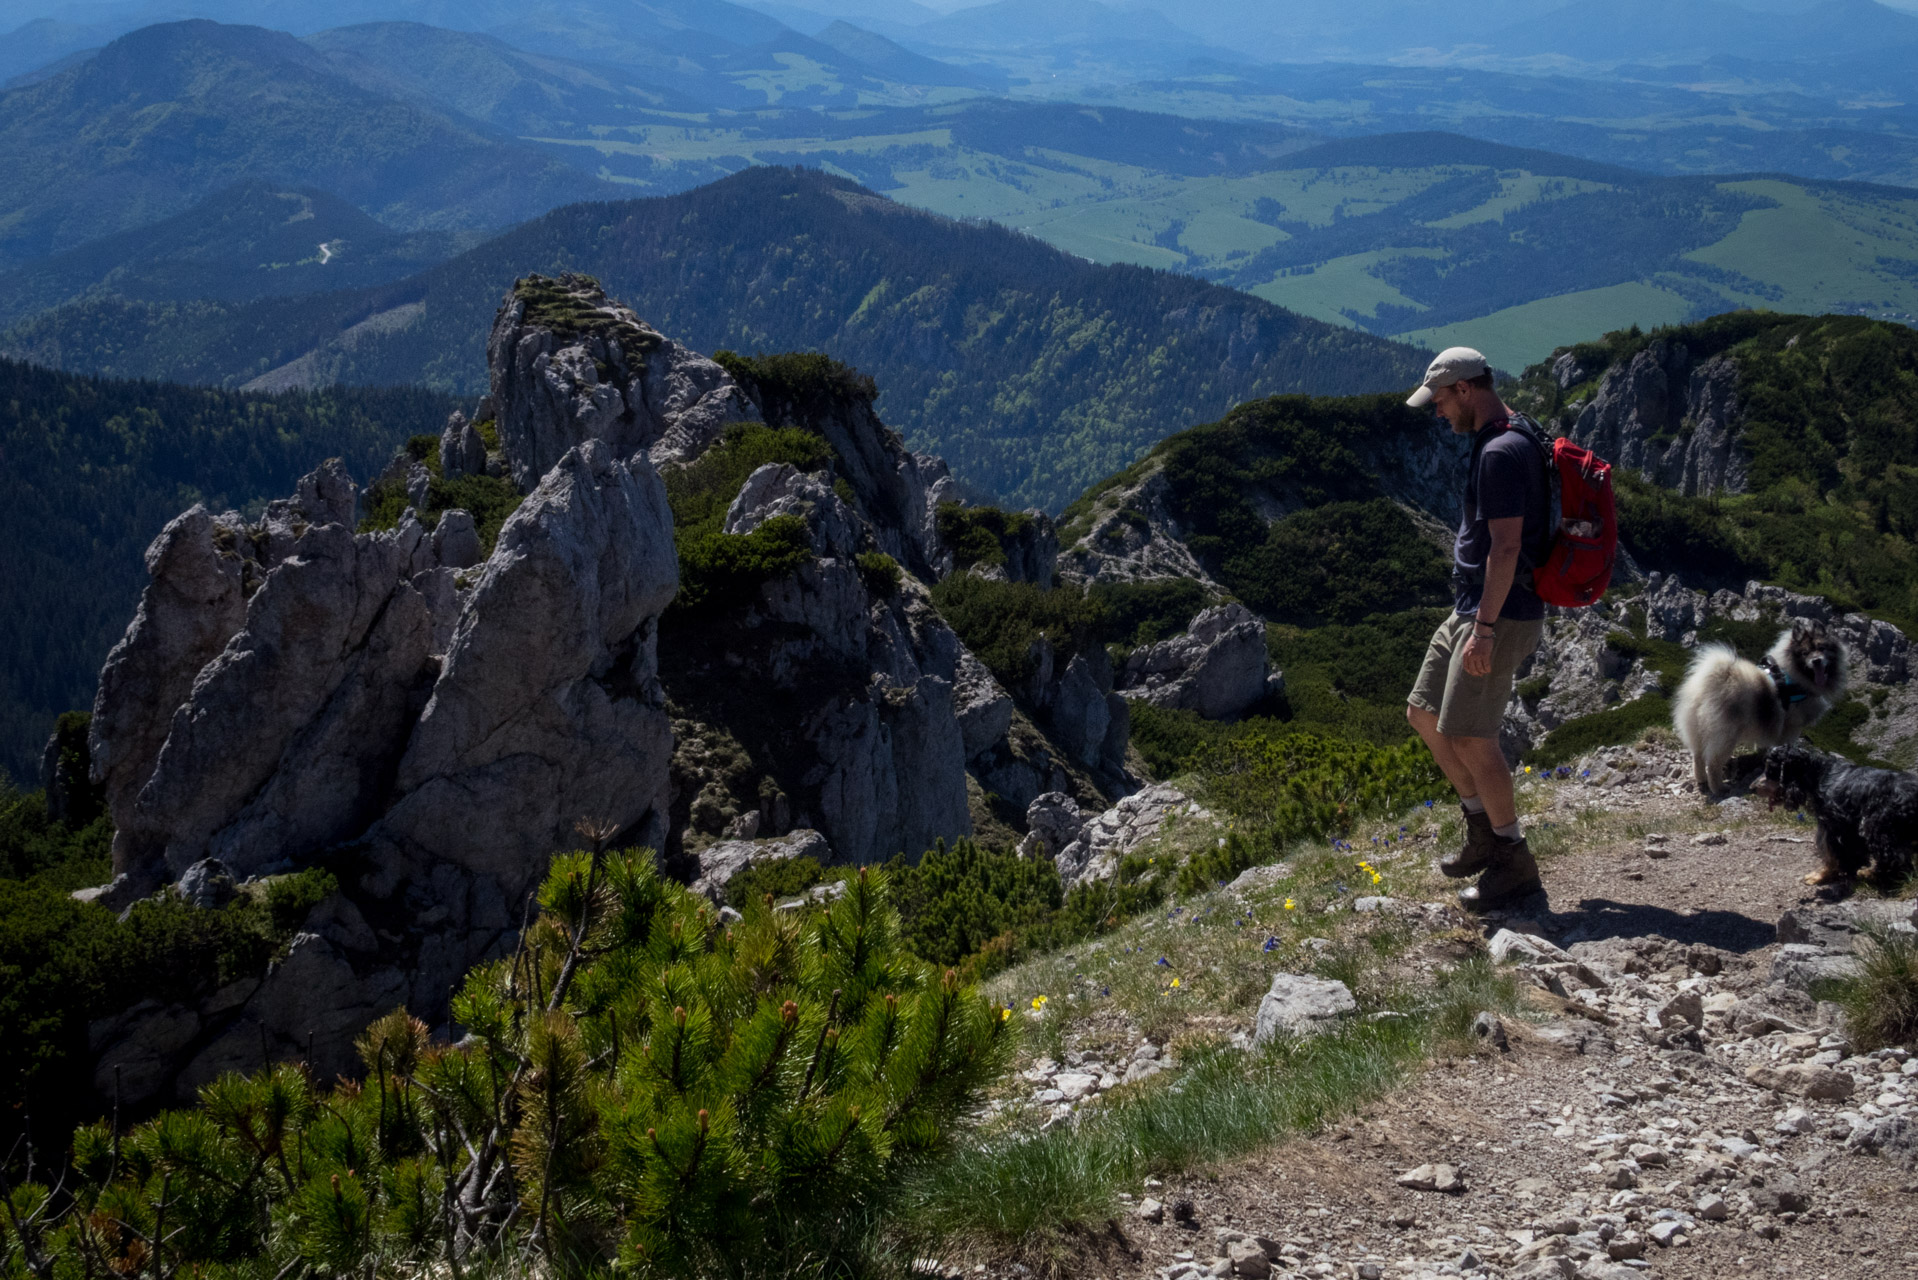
x: 1302, y: 1005
x: 1218, y: 667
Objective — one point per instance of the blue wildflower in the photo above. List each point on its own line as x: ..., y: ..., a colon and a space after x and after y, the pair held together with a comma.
x: 1163, y: 961
x: 1271, y: 944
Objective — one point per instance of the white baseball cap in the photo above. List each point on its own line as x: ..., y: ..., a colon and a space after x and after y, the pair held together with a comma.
x: 1454, y: 364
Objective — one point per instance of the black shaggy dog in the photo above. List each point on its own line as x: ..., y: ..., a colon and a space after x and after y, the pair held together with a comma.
x: 1866, y: 817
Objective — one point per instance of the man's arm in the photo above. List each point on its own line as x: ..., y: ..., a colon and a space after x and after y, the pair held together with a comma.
x: 1501, y: 565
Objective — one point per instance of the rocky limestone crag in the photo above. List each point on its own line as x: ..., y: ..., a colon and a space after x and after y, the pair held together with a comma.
x: 1673, y: 420
x: 432, y: 721
x: 570, y: 365
x: 1218, y: 667
x: 441, y: 732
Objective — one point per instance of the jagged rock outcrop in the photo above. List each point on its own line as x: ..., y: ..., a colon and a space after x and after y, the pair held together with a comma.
x: 866, y: 731
x: 462, y: 449
x: 433, y: 721
x: 1133, y: 536
x: 570, y: 365
x: 1054, y: 822
x: 1094, y: 853
x: 1674, y: 421
x: 1218, y: 667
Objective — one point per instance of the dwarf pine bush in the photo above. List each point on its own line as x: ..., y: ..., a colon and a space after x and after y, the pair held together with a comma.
x: 639, y: 1085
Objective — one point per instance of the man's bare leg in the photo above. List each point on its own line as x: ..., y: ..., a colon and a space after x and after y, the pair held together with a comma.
x: 1491, y: 775
x: 1456, y: 770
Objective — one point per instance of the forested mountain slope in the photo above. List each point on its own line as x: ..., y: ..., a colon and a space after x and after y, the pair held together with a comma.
x: 1031, y: 371
x: 249, y: 241
x: 93, y: 470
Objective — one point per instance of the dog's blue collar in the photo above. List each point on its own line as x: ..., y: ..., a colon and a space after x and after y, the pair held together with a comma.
x: 1788, y: 691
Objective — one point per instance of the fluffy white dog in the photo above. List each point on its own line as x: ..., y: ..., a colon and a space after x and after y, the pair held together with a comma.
x: 1727, y: 703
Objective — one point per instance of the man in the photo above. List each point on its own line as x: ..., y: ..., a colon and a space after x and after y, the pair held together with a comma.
x: 1466, y: 681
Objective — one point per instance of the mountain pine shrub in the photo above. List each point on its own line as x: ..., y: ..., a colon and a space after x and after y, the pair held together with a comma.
x: 979, y: 535
x: 639, y: 1085
x: 999, y: 621
x: 1303, y: 786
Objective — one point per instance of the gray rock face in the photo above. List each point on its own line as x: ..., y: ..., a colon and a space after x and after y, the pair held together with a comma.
x: 1301, y: 1005
x: 462, y: 451
x: 1054, y: 823
x: 1218, y: 668
x: 868, y: 720
x: 983, y: 708
x: 548, y: 709
x: 190, y: 608
x: 613, y: 378
x: 1673, y: 421
x: 1134, y: 820
x: 1075, y: 701
x: 453, y: 735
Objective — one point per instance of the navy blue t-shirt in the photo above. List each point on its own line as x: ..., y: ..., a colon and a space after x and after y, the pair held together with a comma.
x: 1505, y: 478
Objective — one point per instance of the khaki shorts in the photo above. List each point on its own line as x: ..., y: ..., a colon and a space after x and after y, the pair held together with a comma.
x: 1469, y: 706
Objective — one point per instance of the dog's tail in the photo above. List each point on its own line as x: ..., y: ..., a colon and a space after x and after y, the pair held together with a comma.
x: 1712, y: 667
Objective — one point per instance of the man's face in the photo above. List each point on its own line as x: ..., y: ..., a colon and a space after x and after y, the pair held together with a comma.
x: 1454, y: 404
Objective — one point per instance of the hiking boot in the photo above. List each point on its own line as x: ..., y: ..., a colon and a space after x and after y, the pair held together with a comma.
x: 1476, y: 853
x: 1511, y: 878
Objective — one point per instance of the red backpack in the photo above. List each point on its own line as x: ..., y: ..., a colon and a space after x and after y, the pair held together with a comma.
x: 1577, y: 565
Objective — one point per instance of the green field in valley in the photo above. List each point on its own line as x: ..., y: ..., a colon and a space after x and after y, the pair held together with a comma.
x: 1512, y: 251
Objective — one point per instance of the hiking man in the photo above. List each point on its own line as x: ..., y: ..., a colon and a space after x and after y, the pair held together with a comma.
x: 1459, y: 700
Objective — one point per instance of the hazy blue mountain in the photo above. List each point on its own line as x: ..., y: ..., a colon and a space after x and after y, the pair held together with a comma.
x: 1653, y: 31
x: 897, y: 62
x: 250, y: 241
x: 1033, y: 371
x: 163, y: 117
x: 1018, y: 25
x: 483, y: 77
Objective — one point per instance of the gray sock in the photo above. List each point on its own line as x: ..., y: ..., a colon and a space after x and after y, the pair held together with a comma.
x: 1473, y: 804
x: 1508, y: 833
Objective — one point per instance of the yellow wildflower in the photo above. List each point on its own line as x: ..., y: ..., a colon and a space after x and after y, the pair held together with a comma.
x: 1289, y: 904
x: 1005, y: 1013
x: 1038, y: 1002
x: 1175, y: 982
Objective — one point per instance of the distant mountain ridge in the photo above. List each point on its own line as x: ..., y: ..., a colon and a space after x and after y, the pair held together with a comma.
x: 167, y: 115
x: 1030, y: 371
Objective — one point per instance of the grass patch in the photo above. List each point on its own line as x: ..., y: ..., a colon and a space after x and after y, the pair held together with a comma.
x: 1605, y: 728
x: 1881, y: 1002
x: 1016, y: 1187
